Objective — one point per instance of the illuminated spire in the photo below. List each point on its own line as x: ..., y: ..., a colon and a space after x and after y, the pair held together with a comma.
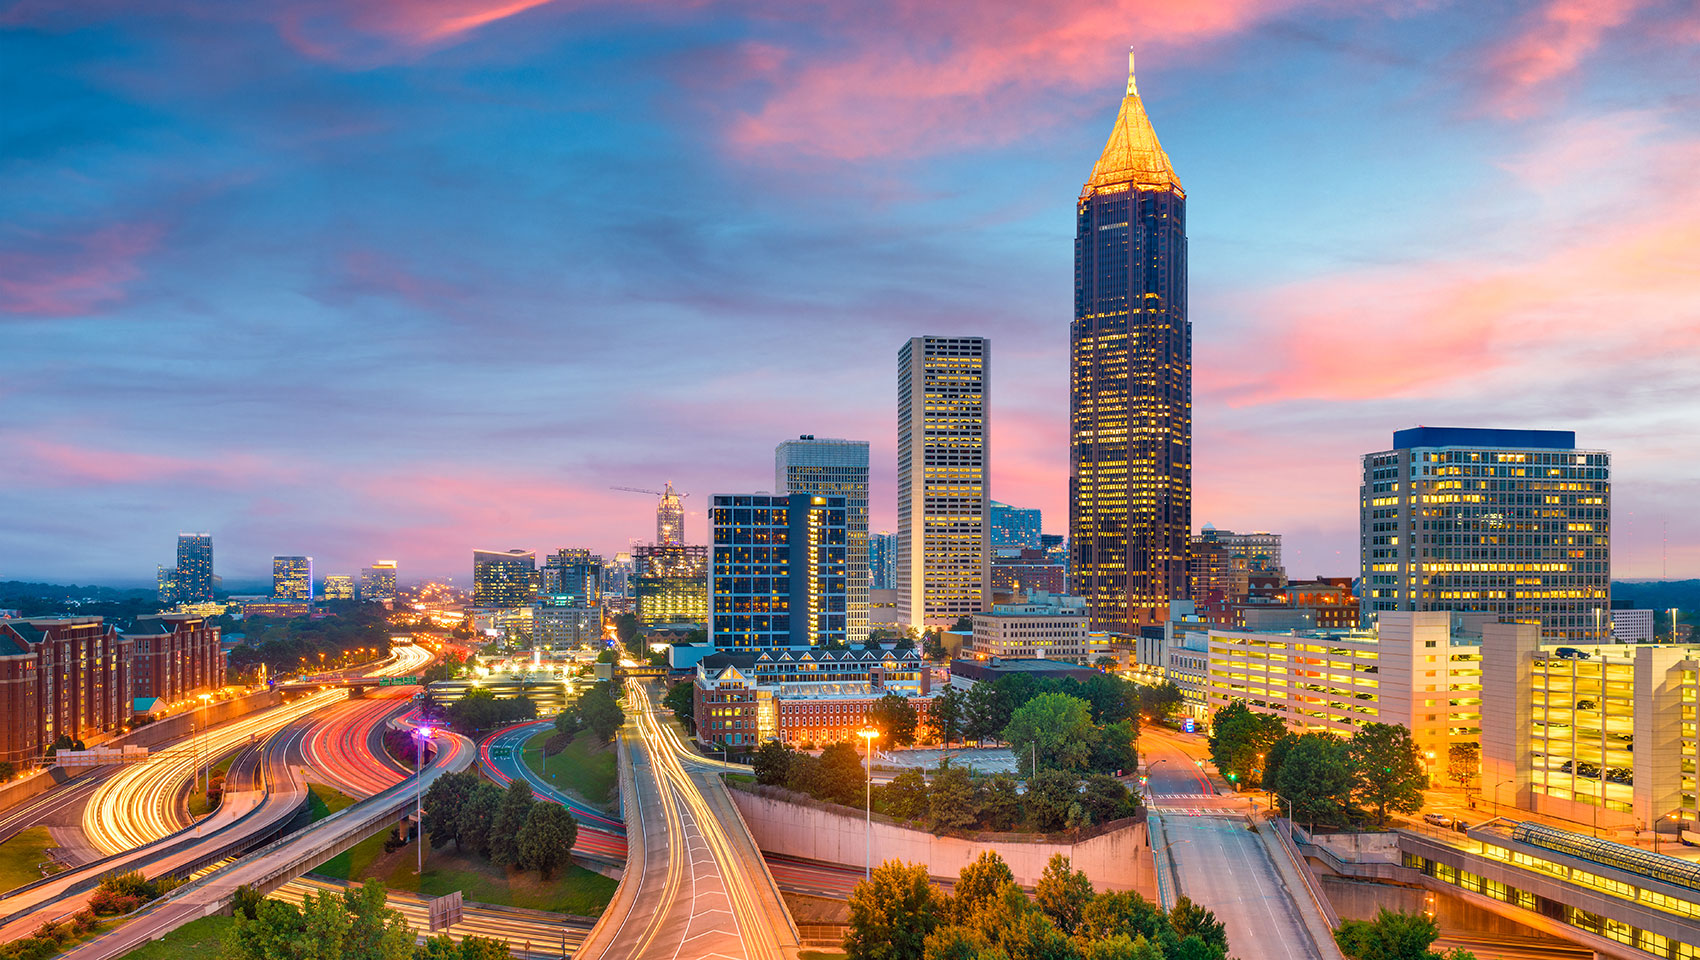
x: 1132, y: 155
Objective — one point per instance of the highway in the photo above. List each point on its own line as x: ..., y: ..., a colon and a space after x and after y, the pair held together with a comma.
x: 600, y: 837
x: 1216, y: 860
x: 696, y: 885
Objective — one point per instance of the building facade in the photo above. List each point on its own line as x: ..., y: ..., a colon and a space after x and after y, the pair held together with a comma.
x: 339, y: 586
x: 1015, y: 526
x: 1218, y: 577
x: 1045, y: 627
x: 1130, y: 395
x: 1026, y: 571
x: 194, y: 576
x: 1512, y: 522
x: 800, y: 697
x: 1630, y: 625
x: 670, y: 583
x: 571, y: 578
x: 779, y: 571
x: 882, y: 561
x: 835, y: 468
x: 292, y: 578
x: 670, y: 517
x: 503, y: 578
x: 173, y: 657
x: 60, y: 677
x: 561, y: 627
x: 377, y: 582
x: 943, y: 479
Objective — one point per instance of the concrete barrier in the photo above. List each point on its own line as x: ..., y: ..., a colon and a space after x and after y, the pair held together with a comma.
x: 1119, y: 859
x: 21, y: 791
x: 180, y: 726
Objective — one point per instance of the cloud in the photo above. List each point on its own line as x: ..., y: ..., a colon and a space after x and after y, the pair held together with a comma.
x: 46, y: 463
x: 71, y: 276
x: 1551, y: 45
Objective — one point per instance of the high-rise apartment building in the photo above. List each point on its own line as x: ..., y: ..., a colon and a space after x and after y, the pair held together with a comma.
x: 1515, y: 523
x: 339, y: 586
x: 503, y: 578
x: 780, y: 571
x: 882, y: 561
x: 834, y: 468
x: 1217, y: 578
x: 571, y: 578
x: 1130, y: 397
x: 670, y: 583
x: 292, y: 578
x: 377, y: 582
x: 194, y: 567
x: 1014, y: 526
x: 167, y: 584
x: 670, y: 517
x: 943, y: 479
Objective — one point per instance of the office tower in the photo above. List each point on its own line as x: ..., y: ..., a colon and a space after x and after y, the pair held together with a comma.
x: 1130, y: 397
x: 670, y: 583
x: 292, y: 578
x: 834, y: 468
x: 617, y: 576
x: 1217, y: 578
x: 882, y: 561
x: 943, y: 479
x: 779, y: 575
x: 377, y: 582
x: 670, y: 517
x: 503, y: 578
x: 1014, y: 526
x: 1511, y: 522
x: 194, y: 567
x: 339, y: 587
x: 571, y: 578
x: 1261, y: 549
x: 167, y: 584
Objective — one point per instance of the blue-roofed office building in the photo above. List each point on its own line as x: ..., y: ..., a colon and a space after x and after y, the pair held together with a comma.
x: 1511, y: 522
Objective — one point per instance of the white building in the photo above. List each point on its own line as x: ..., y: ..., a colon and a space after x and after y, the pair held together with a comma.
x: 563, y: 627
x: 1046, y: 627
x: 835, y: 468
x: 1632, y: 626
x: 943, y: 479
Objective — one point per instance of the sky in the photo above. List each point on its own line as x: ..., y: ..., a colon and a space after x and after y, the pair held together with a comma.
x: 398, y: 279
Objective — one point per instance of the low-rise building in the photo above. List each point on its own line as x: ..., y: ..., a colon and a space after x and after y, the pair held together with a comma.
x: 174, y: 657
x: 67, y: 676
x: 964, y: 674
x: 561, y: 627
x: 1630, y: 625
x: 1046, y: 627
x: 339, y: 587
x: 807, y: 696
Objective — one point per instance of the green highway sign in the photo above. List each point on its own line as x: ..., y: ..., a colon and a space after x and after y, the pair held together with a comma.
x: 398, y: 681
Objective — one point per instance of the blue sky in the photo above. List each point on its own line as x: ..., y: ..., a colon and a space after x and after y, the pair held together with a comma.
x: 400, y: 279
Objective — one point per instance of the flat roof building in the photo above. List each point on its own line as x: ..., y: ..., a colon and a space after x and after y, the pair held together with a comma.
x: 292, y: 578
x: 1046, y: 627
x: 831, y: 467
x: 780, y: 565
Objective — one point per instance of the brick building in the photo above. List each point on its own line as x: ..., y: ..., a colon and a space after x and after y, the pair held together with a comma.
x: 800, y: 695
x: 174, y: 656
x: 66, y: 676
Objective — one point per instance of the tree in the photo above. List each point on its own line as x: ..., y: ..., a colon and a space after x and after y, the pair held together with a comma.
x: 1463, y: 763
x: 1060, y: 726
x: 1387, y: 769
x: 1001, y: 808
x: 1050, y: 797
x: 546, y: 840
x: 955, y: 943
x: 906, y: 795
x: 681, y: 699
x: 952, y: 804
x: 1115, y: 750
x: 895, y: 717
x: 772, y: 763
x: 1188, y: 919
x: 374, y: 931
x: 892, y: 913
x: 569, y: 722
x: 1125, y: 914
x: 1104, y: 799
x: 601, y: 713
x: 480, y: 709
x: 1315, y: 779
x: 444, y: 947
x: 1392, y: 935
x: 1272, y: 759
x: 1062, y: 893
x: 1104, y: 662
x: 510, y: 817
x: 478, y: 818
x: 842, y: 778
x: 1237, y: 736
x: 1160, y: 700
x: 986, y: 712
x: 946, y: 715
x: 978, y: 883
x: 443, y: 802
x: 963, y: 624
x: 1112, y: 699
x: 932, y: 645
x: 356, y: 925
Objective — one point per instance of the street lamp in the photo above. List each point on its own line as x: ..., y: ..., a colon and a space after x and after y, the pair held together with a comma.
x: 422, y: 736
x: 868, y: 734
x: 205, y: 699
x: 1674, y: 813
x: 1496, y: 793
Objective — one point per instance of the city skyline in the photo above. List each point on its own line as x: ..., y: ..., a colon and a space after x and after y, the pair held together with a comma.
x: 127, y: 252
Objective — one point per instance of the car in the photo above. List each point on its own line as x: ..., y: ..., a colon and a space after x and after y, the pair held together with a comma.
x: 1438, y: 819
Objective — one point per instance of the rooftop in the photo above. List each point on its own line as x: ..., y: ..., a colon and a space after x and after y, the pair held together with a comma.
x: 1133, y: 155
x: 1484, y: 437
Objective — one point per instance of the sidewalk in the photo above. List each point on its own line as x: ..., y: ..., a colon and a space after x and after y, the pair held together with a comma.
x: 1299, y: 892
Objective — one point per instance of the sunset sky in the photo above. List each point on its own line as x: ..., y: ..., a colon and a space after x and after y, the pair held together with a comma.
x: 377, y: 278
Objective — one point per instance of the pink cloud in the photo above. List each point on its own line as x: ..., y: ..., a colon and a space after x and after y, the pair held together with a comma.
x: 47, y: 462
x: 72, y: 276
x: 1552, y: 45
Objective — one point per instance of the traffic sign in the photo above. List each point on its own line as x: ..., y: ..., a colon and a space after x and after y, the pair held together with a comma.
x: 398, y: 681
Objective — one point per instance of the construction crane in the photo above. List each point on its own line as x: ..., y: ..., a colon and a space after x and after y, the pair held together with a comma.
x: 669, y: 514
x: 654, y: 493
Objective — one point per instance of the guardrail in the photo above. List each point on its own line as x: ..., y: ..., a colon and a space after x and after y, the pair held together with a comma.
x: 1282, y: 830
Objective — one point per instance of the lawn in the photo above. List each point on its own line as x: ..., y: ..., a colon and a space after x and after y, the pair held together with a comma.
x: 821, y: 955
x: 325, y: 800
x: 586, y: 767
x: 199, y: 938
x: 574, y: 890
x: 198, y: 805
x: 21, y: 857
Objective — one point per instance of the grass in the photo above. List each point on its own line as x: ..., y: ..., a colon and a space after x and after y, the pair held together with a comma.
x: 573, y: 890
x: 355, y: 861
x: 198, y: 805
x: 21, y: 857
x: 739, y: 777
x: 199, y: 938
x: 325, y: 800
x: 586, y: 767
x: 821, y: 955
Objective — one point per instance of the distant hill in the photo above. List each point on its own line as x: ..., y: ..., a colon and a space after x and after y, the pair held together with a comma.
x: 1658, y: 594
x: 20, y: 589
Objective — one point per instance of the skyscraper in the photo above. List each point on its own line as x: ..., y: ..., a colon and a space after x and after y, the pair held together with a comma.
x: 571, y: 578
x: 834, y: 468
x: 1130, y: 398
x: 292, y: 578
x: 670, y: 583
x: 377, y: 582
x: 1015, y: 526
x: 943, y: 479
x: 339, y: 586
x: 670, y: 517
x: 194, y: 567
x: 1511, y: 522
x: 779, y: 566
x: 503, y: 578
x: 882, y: 561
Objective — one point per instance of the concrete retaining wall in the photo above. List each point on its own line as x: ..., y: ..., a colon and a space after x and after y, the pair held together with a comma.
x: 1118, y: 860
x: 182, y: 725
x: 20, y: 791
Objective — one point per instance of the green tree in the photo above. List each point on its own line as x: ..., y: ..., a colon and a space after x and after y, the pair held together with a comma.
x: 1188, y: 919
x: 932, y: 645
x: 955, y: 943
x: 1117, y: 913
x: 510, y: 817
x: 1060, y: 726
x: 1001, y: 808
x: 977, y: 884
x: 374, y: 930
x: 953, y: 802
x: 1277, y: 752
x: 1159, y: 701
x: 1104, y: 799
x: 892, y: 913
x: 986, y: 712
x: 477, y: 818
x: 772, y: 763
x: 906, y: 795
x: 444, y: 947
x: 895, y: 718
x: 443, y: 802
x: 1052, y: 797
x: 681, y: 699
x: 355, y: 925
x: 1116, y: 750
x: 842, y: 778
x: 1392, y: 935
x: 568, y: 722
x: 546, y: 840
x: 1063, y: 893
x: 1387, y: 769
x: 600, y: 711
x: 1112, y: 698
x: 963, y: 624
x: 1463, y: 763
x: 945, y: 717
x: 1237, y: 736
x: 1104, y: 662
x: 1315, y: 779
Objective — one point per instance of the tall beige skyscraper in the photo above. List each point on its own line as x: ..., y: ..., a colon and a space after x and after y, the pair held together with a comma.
x: 943, y: 479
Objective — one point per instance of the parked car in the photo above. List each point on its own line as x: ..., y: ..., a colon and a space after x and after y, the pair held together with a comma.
x: 1438, y: 819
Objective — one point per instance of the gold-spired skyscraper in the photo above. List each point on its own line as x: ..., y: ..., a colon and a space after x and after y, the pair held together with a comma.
x: 1130, y: 396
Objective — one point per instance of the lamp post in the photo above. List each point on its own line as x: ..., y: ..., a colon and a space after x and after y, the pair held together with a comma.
x: 868, y: 734
x: 1496, y: 793
x: 205, y: 699
x: 1661, y: 819
x: 422, y: 736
